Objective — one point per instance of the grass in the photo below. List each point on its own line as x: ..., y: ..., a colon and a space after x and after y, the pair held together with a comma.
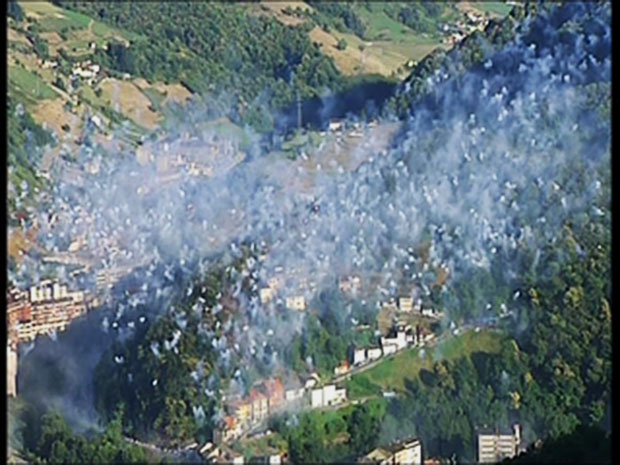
x: 157, y: 98
x: 392, y: 373
x: 266, y: 445
x: 493, y: 8
x: 79, y: 29
x: 53, y: 18
x: 28, y: 85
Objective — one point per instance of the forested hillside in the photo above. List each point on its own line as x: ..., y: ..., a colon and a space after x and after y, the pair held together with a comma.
x: 216, y: 48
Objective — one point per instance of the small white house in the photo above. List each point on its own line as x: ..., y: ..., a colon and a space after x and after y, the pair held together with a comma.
x: 359, y: 356
x: 374, y: 353
x: 389, y: 349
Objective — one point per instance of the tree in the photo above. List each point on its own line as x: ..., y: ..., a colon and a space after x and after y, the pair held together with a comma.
x: 40, y: 48
x: 342, y: 44
x: 15, y: 11
x: 60, y: 83
x: 363, y: 428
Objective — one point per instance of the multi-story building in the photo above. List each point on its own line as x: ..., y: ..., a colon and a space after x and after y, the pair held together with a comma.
x: 259, y: 405
x: 405, y: 304
x: 275, y: 393
x: 41, y: 309
x: 495, y: 447
x: 11, y: 371
x: 296, y: 303
x: 405, y: 452
x: 227, y: 430
x: 327, y: 395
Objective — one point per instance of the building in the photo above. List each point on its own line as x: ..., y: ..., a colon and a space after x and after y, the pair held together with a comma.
x: 242, y: 410
x: 377, y: 456
x: 296, y: 303
x: 275, y: 393
x: 342, y: 369
x: 359, y: 356
x: 389, y: 349
x: 312, y: 381
x: 495, y: 447
x: 294, y: 393
x: 399, y: 340
x: 225, y: 454
x: 390, y: 305
x: 374, y: 353
x: 335, y: 125
x: 259, y: 405
x: 407, y: 451
x: 405, y: 304
x: 43, y: 309
x: 316, y: 398
x: 227, y: 430
x: 266, y: 295
x: 327, y: 396
x: 11, y: 371
x: 350, y: 285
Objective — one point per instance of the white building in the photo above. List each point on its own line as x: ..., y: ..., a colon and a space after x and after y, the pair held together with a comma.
x: 335, y: 125
x: 294, y: 394
x: 374, y: 353
x: 11, y: 371
x: 389, y: 349
x: 359, y: 356
x: 316, y: 398
x: 327, y: 395
x: 400, y: 340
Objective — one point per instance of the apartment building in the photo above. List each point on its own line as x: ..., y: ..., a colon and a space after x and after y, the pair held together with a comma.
x: 407, y: 451
x: 495, y: 447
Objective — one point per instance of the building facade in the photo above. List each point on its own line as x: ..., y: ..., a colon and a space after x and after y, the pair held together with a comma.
x: 496, y: 447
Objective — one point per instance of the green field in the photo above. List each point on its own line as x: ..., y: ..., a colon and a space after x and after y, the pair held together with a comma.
x: 53, y: 19
x: 497, y: 8
x: 392, y: 373
x: 26, y: 86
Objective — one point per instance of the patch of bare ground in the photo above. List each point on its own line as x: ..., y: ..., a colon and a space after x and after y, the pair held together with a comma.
x: 126, y: 98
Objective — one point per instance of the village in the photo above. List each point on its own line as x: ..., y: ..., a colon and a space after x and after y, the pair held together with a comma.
x: 472, y: 21
x: 45, y: 308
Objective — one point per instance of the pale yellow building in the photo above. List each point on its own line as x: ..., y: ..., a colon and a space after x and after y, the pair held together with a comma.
x: 405, y: 452
x: 493, y: 448
x: 296, y: 303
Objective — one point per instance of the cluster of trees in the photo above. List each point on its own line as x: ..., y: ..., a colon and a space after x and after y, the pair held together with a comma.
x: 157, y: 385
x: 168, y: 382
x: 25, y: 138
x: 336, y: 436
x: 469, y: 53
x: 422, y: 17
x: 341, y: 16
x: 556, y: 378
x: 329, y: 334
x: 48, y: 439
x: 220, y: 49
x: 15, y: 11
x: 587, y: 444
